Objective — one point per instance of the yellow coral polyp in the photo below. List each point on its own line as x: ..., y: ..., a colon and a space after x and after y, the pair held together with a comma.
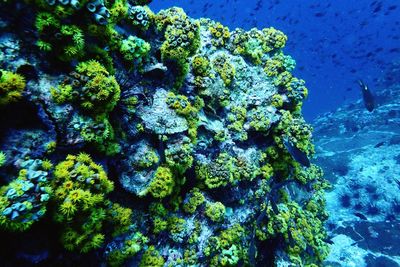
x: 163, y: 183
x: 68, y: 208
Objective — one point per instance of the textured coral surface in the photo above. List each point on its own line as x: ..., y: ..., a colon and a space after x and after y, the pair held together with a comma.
x: 145, y: 139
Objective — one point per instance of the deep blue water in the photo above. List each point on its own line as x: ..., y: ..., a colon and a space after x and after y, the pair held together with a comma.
x: 334, y: 42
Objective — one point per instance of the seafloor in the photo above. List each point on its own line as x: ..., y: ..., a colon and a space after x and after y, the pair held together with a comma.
x: 360, y: 154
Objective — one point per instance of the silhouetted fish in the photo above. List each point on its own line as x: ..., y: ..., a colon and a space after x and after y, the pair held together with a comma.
x: 361, y: 216
x: 296, y: 153
x: 367, y: 96
x: 379, y: 144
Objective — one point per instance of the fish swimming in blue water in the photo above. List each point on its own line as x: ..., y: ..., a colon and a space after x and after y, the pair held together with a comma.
x: 367, y: 96
x: 296, y: 153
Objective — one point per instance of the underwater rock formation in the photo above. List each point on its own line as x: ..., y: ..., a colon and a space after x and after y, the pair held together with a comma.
x: 166, y: 135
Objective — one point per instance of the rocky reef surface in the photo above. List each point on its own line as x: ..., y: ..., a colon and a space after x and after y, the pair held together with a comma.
x: 360, y: 154
x: 141, y: 139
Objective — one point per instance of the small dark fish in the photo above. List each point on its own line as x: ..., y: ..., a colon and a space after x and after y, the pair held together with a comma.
x: 296, y: 153
x: 379, y: 144
x: 367, y: 96
x: 328, y: 240
x: 361, y: 216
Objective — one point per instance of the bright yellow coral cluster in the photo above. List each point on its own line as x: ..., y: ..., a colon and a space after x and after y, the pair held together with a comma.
x: 220, y: 33
x: 81, y: 186
x: 11, y: 87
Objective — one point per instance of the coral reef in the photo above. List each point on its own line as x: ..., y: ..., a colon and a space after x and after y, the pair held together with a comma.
x: 167, y: 135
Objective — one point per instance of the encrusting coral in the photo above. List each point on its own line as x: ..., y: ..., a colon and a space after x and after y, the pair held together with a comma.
x: 168, y: 137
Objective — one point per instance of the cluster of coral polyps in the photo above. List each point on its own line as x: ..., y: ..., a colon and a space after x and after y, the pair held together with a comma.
x: 155, y: 139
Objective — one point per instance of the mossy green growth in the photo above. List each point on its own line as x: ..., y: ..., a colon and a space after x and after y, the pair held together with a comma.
x: 257, y: 45
x: 163, y: 183
x: 215, y: 211
x: 176, y: 225
x: 11, y: 87
x: 277, y: 101
x: 222, y: 65
x: 98, y: 132
x: 279, y: 63
x: 152, y: 258
x: 148, y: 159
x: 135, y: 49
x: 237, y: 118
x: 91, y: 87
x: 80, y: 204
x: 194, y: 199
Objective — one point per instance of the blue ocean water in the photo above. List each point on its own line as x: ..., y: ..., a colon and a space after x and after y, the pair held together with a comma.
x: 333, y: 42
